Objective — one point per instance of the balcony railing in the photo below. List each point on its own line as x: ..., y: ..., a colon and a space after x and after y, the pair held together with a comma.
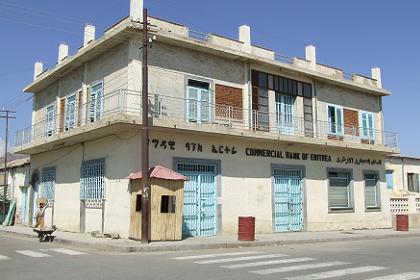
x: 127, y: 104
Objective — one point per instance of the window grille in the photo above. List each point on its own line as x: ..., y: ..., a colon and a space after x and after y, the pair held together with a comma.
x: 96, y: 101
x: 339, y: 190
x: 48, y: 184
x: 92, y: 182
x: 201, y: 168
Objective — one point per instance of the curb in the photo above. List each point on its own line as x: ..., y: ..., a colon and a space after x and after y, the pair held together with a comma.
x: 204, y: 246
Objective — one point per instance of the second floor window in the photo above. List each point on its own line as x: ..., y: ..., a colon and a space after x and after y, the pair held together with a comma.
x: 199, y: 102
x: 50, y: 120
x: 96, y: 101
x: 367, y: 125
x: 71, y: 112
x: 413, y: 182
x: 335, y: 120
x: 284, y: 113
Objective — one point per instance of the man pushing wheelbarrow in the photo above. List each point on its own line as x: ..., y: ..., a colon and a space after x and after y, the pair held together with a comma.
x: 44, y: 234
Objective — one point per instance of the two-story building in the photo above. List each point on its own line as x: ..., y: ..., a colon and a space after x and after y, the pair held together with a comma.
x: 297, y: 144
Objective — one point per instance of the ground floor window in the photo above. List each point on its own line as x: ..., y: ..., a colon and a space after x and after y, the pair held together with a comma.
x: 92, y: 181
x: 48, y: 184
x: 372, y: 196
x: 340, y: 190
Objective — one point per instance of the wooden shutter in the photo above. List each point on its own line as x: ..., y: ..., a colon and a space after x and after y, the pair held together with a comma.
x: 62, y: 114
x: 229, y: 96
x: 351, y: 122
x: 79, y: 108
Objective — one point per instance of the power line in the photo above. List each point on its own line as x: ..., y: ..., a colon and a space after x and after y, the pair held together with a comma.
x: 42, y: 13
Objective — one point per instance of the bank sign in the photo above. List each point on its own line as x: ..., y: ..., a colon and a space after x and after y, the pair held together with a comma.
x: 257, y: 152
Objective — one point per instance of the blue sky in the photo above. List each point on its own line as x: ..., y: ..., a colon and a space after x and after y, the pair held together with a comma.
x: 352, y: 35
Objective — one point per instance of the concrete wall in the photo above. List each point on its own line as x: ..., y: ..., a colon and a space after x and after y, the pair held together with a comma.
x: 121, y: 158
x: 330, y: 94
x: 246, y: 183
x: 110, y: 67
x: 400, y: 168
x: 19, y: 179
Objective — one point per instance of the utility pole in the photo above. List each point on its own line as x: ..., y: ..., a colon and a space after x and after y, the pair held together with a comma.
x: 5, y: 114
x: 145, y: 223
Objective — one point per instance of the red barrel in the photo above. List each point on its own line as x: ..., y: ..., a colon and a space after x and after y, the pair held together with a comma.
x: 402, y: 222
x: 246, y: 228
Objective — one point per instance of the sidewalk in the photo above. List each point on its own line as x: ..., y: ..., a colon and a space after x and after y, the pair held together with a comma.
x: 213, y: 242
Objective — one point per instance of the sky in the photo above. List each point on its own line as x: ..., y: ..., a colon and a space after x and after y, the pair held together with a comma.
x: 352, y: 35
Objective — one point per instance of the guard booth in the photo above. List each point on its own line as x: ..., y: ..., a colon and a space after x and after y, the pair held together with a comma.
x: 166, y: 201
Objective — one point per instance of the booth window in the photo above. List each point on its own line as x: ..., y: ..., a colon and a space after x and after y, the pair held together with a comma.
x: 138, y: 203
x: 168, y: 204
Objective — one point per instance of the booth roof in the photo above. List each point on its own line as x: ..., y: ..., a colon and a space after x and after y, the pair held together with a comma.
x: 159, y: 172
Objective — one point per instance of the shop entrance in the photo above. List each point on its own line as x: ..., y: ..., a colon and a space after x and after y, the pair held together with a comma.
x: 200, y: 209
x: 287, y: 196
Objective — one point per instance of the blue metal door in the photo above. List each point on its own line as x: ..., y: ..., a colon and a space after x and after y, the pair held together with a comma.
x: 199, y: 217
x: 288, y: 200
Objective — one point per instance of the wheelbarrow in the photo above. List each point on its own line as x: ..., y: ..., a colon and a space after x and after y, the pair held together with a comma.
x: 45, y: 234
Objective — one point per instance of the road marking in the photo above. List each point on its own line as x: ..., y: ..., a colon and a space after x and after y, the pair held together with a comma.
x: 215, y: 255
x: 337, y: 273
x: 67, y: 251
x: 297, y: 267
x: 3, y: 258
x: 242, y: 259
x: 255, y: 264
x: 402, y: 276
x: 33, y: 254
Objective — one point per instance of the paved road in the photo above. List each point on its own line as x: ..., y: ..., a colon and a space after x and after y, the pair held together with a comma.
x: 395, y: 259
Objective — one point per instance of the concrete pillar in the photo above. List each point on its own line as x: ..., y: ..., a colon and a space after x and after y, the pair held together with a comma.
x: 376, y: 75
x: 310, y: 55
x: 136, y: 10
x: 63, y: 52
x: 89, y: 34
x: 38, y: 68
x: 245, y: 36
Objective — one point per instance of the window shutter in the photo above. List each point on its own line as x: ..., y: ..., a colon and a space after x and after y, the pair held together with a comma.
x: 206, y: 107
x: 371, y: 191
x: 339, y: 113
x: 192, y: 104
x: 62, y: 113
x: 79, y: 108
x: 339, y: 191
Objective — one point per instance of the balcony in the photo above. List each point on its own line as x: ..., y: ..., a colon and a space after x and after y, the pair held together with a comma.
x: 122, y: 108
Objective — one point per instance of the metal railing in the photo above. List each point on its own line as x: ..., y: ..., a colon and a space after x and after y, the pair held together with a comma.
x: 198, y: 35
x: 127, y: 104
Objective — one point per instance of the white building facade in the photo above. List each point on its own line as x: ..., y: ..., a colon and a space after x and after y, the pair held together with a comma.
x: 297, y: 144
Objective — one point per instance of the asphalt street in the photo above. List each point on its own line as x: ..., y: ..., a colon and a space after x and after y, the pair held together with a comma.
x: 392, y: 259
